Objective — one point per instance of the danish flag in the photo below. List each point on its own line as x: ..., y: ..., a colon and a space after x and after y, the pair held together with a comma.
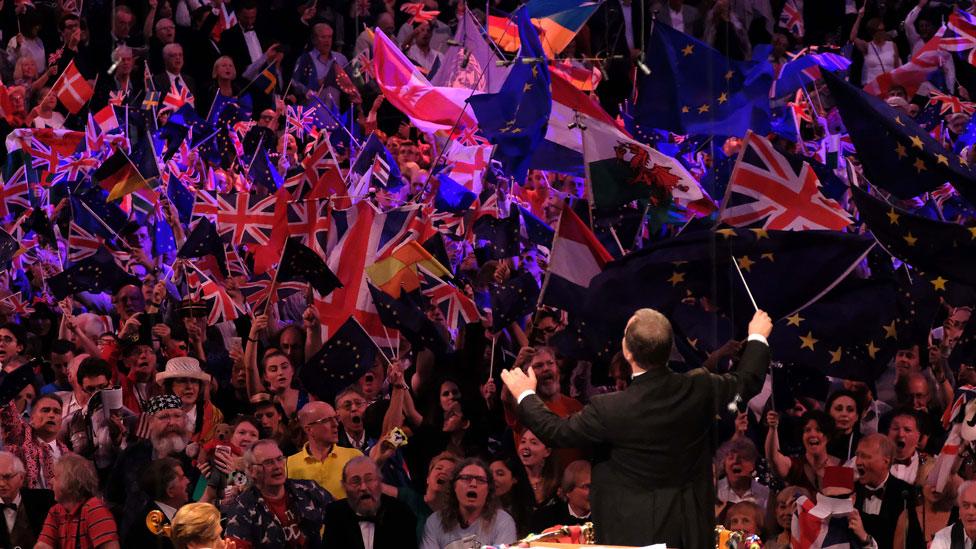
x: 72, y: 89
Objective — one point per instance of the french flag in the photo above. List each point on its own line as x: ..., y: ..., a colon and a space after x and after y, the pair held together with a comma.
x: 576, y: 257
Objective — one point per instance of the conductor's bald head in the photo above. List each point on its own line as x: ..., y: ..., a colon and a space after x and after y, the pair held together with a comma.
x: 647, y: 339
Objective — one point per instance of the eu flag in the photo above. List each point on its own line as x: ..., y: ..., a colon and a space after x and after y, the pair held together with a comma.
x: 693, y: 89
x: 300, y: 263
x: 898, y: 155
x: 344, y: 358
x: 203, y: 241
x: 94, y: 274
x: 515, y: 118
x: 452, y: 196
x: 404, y: 316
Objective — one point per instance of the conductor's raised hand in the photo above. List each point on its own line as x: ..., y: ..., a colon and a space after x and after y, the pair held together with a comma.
x: 761, y: 324
x: 518, y: 381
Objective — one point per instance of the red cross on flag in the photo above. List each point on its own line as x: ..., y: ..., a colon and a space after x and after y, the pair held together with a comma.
x: 72, y: 89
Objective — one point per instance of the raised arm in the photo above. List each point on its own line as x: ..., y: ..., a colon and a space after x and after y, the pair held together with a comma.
x: 781, y: 463
x: 251, y: 374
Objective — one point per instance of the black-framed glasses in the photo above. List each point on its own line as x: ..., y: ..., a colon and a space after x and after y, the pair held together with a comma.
x: 473, y: 479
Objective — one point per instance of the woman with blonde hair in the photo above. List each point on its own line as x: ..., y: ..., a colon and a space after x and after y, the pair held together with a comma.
x: 197, y: 526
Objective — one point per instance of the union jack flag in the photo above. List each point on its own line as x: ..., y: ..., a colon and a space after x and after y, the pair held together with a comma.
x: 457, y: 308
x: 205, y: 205
x: 766, y: 187
x: 309, y: 221
x: 951, y: 103
x: 74, y: 167
x: 256, y: 290
x: 299, y: 120
x: 358, y: 237
x: 117, y: 98
x: 81, y: 243
x: 940, y: 195
x: 791, y: 18
x: 15, y: 192
x: 42, y: 156
x: 176, y: 98
x: 960, y: 35
x: 246, y: 218
x: 17, y: 303
x: 223, y: 308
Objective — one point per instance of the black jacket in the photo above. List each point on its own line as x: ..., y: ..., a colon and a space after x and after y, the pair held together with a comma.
x: 396, y: 526
x: 893, y: 501
x: 652, y: 481
x: 34, y: 505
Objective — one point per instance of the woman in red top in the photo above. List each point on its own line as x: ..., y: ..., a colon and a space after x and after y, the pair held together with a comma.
x: 79, y: 520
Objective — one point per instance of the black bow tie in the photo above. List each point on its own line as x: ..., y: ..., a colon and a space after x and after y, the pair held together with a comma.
x: 361, y: 518
x: 5, y: 506
x: 876, y: 493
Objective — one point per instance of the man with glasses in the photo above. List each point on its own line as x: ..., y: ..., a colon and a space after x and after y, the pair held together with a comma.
x: 367, y: 518
x: 321, y: 459
x: 23, y: 509
x: 276, y: 511
x: 351, y: 405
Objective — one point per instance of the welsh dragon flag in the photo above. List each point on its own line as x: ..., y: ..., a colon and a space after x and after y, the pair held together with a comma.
x: 621, y: 170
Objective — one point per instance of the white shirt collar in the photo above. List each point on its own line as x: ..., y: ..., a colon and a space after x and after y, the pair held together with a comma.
x: 574, y: 515
x: 166, y: 509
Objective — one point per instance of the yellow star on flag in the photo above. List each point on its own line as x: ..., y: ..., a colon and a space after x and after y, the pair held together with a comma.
x: 941, y: 159
x: 835, y: 356
x: 703, y: 109
x: 727, y: 233
x: 872, y: 350
x: 808, y: 341
x: 688, y: 50
x: 676, y: 277
x: 939, y: 283
x: 891, y: 332
x: 794, y: 320
x: 760, y: 233
x: 972, y: 232
x: 900, y: 151
x: 745, y: 263
x: 769, y: 256
x: 919, y: 165
x: 893, y: 217
x: 685, y: 108
x: 723, y: 98
x: 916, y: 142
x: 909, y: 239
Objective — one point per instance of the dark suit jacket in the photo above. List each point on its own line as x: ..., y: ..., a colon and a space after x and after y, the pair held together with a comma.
x: 232, y: 44
x: 34, y: 505
x: 653, y: 480
x: 893, y: 502
x: 162, y: 84
x: 554, y: 514
x: 396, y: 526
x: 140, y: 537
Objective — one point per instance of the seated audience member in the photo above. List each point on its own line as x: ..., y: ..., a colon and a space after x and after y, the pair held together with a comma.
x: 573, y: 506
x: 80, y: 518
x: 24, y: 509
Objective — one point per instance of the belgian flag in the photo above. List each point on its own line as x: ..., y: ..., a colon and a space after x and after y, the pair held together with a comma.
x: 119, y: 176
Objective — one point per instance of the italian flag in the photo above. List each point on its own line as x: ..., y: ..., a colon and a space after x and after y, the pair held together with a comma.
x: 621, y: 170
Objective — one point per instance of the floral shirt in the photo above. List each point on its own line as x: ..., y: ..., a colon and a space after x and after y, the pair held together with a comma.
x: 250, y: 518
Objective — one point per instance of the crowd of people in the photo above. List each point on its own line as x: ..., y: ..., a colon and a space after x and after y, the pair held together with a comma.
x: 134, y: 398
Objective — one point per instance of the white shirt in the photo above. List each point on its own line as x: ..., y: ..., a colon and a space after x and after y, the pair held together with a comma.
x: 166, y: 509
x: 627, y: 11
x: 943, y: 539
x: 909, y: 472
x: 574, y: 515
x: 10, y: 515
x: 253, y: 44
x: 677, y: 19
x: 174, y: 79
x: 872, y: 505
x: 368, y: 530
x: 757, y: 493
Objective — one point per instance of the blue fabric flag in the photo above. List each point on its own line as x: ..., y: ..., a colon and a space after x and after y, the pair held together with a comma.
x: 262, y: 171
x: 693, y: 89
x: 536, y: 230
x: 515, y: 118
x: 452, y: 196
x: 92, y: 213
x: 385, y: 173
x: 182, y: 198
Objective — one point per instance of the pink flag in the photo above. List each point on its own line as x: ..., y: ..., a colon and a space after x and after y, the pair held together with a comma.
x: 430, y: 108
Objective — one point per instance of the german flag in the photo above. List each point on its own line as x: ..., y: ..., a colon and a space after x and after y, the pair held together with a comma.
x: 119, y: 176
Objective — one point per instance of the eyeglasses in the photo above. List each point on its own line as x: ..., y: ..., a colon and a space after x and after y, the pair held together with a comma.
x: 355, y: 482
x: 95, y: 389
x: 273, y: 461
x: 327, y: 419
x: 353, y: 404
x: 481, y: 481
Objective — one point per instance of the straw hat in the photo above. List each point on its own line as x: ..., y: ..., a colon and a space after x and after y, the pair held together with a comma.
x: 183, y: 367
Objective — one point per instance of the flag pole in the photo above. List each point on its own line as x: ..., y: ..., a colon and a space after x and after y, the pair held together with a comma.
x: 491, y: 365
x: 743, y: 278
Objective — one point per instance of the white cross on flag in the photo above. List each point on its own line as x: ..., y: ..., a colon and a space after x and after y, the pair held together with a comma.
x: 72, y: 89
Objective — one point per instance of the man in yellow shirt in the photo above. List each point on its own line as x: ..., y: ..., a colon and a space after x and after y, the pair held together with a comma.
x: 321, y: 459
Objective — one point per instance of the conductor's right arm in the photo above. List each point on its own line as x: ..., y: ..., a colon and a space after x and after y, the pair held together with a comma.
x: 581, y: 429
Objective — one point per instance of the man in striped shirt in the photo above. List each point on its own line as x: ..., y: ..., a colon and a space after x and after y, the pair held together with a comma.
x: 80, y: 520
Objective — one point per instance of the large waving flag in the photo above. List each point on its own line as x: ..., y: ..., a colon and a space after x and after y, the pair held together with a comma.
x: 558, y: 22
x: 622, y: 170
x: 913, y: 74
x: 897, y: 154
x: 576, y: 257
x: 469, y: 61
x: 767, y: 188
x: 694, y: 89
x: 515, y: 118
x: 430, y: 108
